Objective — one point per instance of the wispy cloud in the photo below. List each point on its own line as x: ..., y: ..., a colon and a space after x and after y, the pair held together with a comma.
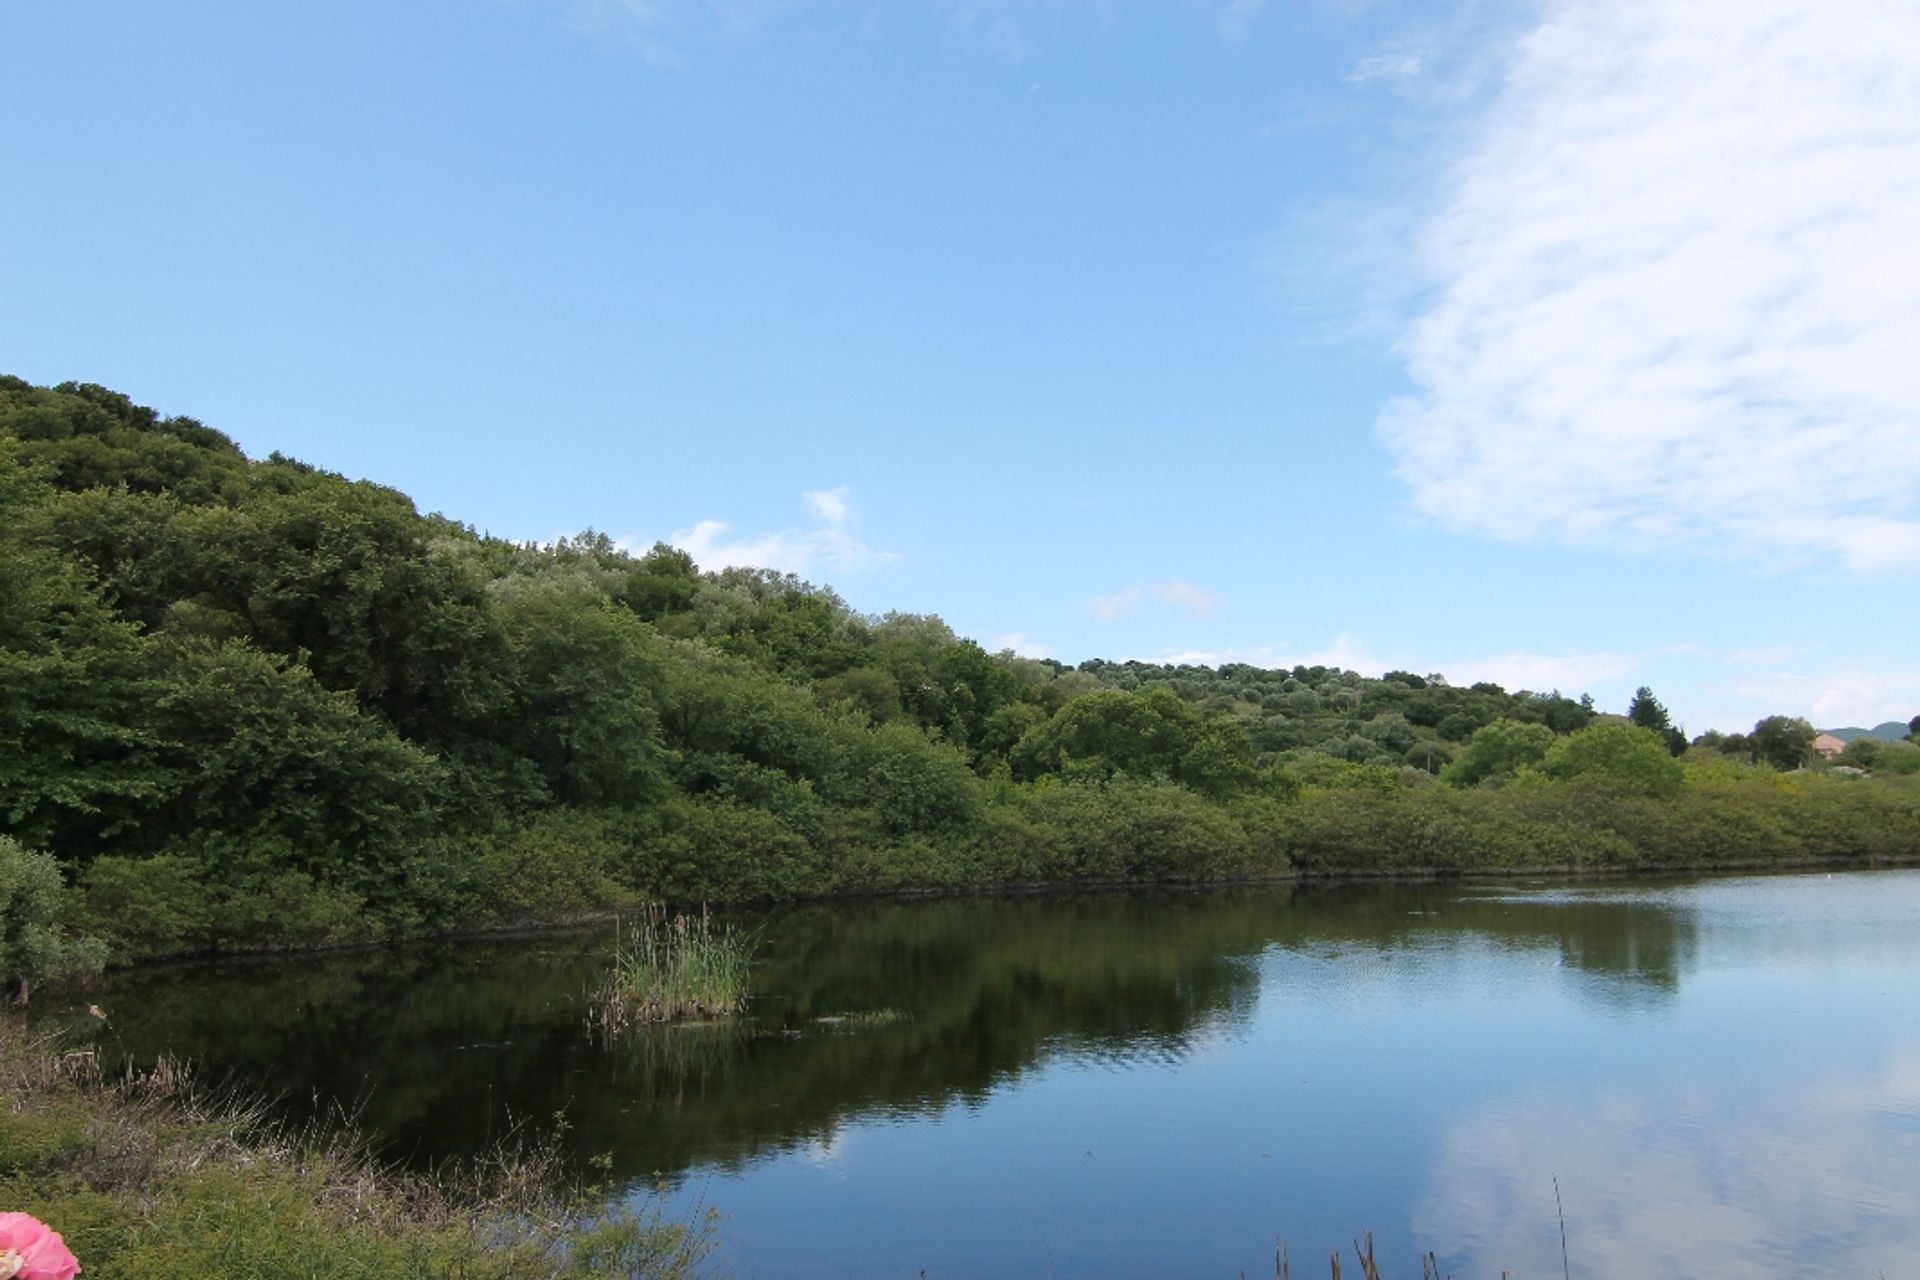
x: 1540, y: 672
x: 1197, y: 601
x: 829, y: 546
x: 1344, y: 653
x: 659, y: 29
x: 1674, y: 302
x: 993, y: 24
x: 1770, y: 657
x: 1861, y: 694
x: 1385, y: 66
x: 1022, y: 644
x: 1118, y: 605
x: 1237, y: 17
x: 829, y: 504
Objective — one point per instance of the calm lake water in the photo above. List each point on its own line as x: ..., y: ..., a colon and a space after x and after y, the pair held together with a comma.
x: 1724, y: 1076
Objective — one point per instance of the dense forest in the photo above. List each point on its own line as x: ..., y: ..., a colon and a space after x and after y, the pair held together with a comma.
x: 251, y: 703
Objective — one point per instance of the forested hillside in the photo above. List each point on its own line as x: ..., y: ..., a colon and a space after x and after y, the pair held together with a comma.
x: 249, y: 702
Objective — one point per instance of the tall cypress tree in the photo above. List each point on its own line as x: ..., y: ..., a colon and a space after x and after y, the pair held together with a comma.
x: 1646, y: 711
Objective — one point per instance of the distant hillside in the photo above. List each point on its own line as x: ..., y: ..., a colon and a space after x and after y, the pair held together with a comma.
x: 1891, y: 731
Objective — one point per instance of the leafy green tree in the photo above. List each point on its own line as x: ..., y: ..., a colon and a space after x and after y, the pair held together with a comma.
x: 716, y: 711
x: 1647, y: 712
x: 869, y: 690
x: 259, y: 751
x: 1896, y: 759
x: 1392, y: 731
x: 1498, y: 751
x: 584, y: 672
x: 1785, y: 742
x: 1145, y: 734
x: 1726, y: 744
x: 34, y: 945
x: 1635, y: 758
x: 1006, y: 726
x: 1220, y: 762
x: 1137, y: 829
x: 1861, y: 753
x: 911, y: 782
x: 88, y: 437
x: 946, y: 683
x: 661, y: 582
x: 74, y: 691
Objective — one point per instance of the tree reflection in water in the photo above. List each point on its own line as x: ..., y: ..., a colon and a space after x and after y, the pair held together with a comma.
x: 857, y: 1009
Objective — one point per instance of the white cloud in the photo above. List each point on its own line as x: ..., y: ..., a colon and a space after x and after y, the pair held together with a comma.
x: 661, y: 29
x: 1022, y: 644
x: 1854, y: 695
x: 992, y: 24
x: 1197, y: 601
x: 829, y: 504
x: 1117, y: 605
x: 1385, y: 66
x: 1540, y: 672
x: 1772, y: 657
x: 1675, y: 302
x: 1343, y: 653
x: 1571, y: 673
x: 1238, y: 16
x: 830, y: 546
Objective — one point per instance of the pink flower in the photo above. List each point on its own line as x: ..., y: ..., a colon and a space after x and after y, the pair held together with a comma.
x: 30, y: 1250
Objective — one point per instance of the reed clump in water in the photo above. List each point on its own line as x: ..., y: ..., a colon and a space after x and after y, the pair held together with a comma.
x: 671, y: 967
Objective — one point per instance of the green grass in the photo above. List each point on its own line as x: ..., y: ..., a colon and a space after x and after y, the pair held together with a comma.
x: 149, y: 1177
x: 669, y: 968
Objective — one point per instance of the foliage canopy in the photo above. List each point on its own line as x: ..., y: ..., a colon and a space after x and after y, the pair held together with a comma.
x: 250, y: 702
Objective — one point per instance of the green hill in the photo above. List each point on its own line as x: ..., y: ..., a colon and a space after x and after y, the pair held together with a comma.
x: 1890, y: 731
x: 251, y: 703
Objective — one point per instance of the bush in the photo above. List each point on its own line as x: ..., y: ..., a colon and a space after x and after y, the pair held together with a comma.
x: 1498, y: 751
x: 714, y: 849
x: 1130, y: 829
x: 1636, y: 759
x: 34, y: 947
x: 564, y: 860
x: 217, y: 896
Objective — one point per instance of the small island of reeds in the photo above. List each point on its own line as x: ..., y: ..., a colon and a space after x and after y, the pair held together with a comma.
x: 672, y: 967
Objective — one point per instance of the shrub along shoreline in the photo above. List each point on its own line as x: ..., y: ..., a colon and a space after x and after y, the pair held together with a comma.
x: 1778, y: 824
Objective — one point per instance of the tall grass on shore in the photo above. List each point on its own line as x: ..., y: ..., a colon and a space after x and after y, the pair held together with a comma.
x: 1363, y: 1252
x: 149, y: 1175
x: 670, y: 967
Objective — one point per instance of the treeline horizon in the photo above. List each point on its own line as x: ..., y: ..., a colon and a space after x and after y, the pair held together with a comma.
x: 251, y: 703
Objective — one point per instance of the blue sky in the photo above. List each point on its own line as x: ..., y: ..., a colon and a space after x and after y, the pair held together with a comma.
x: 1568, y: 344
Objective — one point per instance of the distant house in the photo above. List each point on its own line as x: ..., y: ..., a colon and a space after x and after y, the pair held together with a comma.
x: 1828, y: 745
